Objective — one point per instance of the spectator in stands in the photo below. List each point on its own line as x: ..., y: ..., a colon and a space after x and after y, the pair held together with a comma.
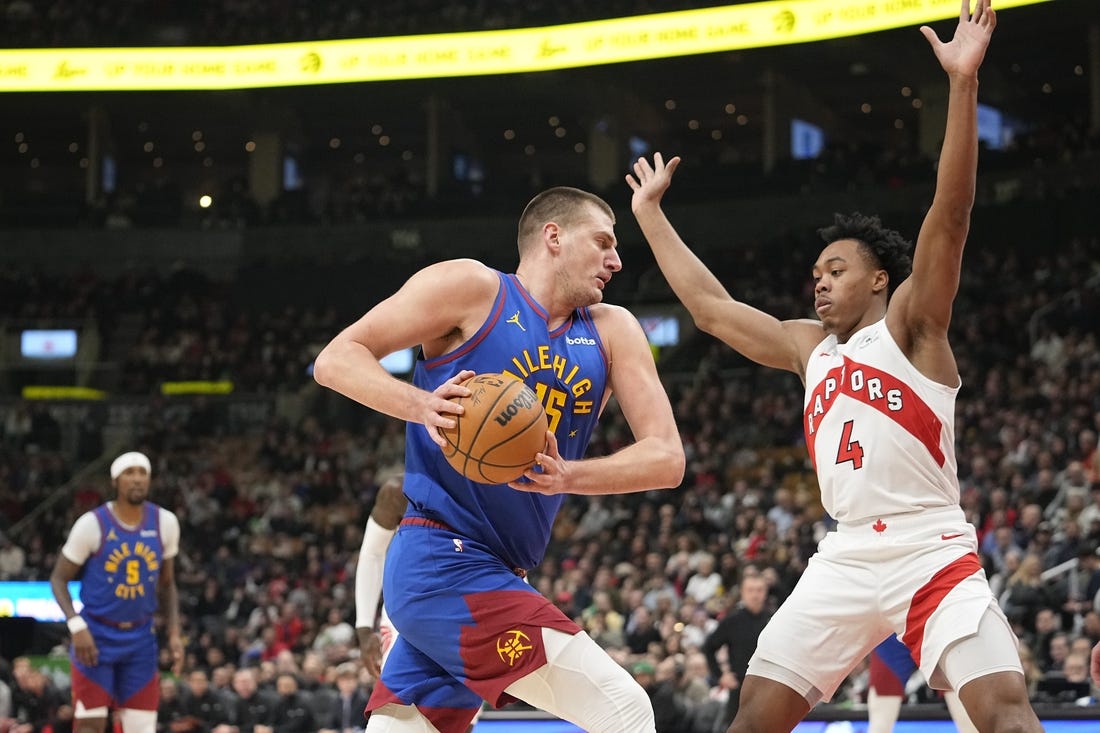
x: 292, y: 712
x: 641, y: 632
x: 202, y: 703
x: 1068, y: 684
x: 346, y: 714
x: 248, y: 706
x: 1027, y: 593
x: 12, y: 559
x: 735, y: 639
x: 705, y: 583
x: 171, y: 714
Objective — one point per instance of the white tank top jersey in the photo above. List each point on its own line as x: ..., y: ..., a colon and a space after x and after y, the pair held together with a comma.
x: 881, y: 434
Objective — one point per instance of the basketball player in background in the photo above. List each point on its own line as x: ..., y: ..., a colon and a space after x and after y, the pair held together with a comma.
x: 470, y: 627
x: 126, y: 549
x: 881, y: 381
x: 891, y: 667
x: 374, y: 646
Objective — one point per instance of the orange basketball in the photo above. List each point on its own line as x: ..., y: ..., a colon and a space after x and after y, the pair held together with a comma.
x: 495, y: 440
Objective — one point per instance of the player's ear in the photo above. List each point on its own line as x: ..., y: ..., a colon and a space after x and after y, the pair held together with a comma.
x: 551, y: 235
x: 881, y: 281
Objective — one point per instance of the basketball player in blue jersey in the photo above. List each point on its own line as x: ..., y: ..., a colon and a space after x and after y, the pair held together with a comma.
x: 880, y: 382
x: 470, y: 628
x: 126, y: 550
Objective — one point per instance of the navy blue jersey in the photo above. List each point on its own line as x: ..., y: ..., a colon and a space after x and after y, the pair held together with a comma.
x: 566, y: 368
x: 120, y: 580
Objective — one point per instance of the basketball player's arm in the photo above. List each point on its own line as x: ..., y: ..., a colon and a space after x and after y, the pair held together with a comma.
x: 168, y: 601
x: 920, y: 310
x: 656, y: 458
x: 389, y: 506
x: 749, y: 331
x: 167, y: 593
x: 436, y: 309
x: 84, y: 646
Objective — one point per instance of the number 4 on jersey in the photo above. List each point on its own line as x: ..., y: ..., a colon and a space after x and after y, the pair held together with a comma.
x: 849, y: 450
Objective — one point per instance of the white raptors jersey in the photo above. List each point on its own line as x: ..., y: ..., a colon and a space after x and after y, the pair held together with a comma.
x: 881, y: 434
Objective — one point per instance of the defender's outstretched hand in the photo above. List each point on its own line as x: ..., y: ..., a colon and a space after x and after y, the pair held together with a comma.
x: 652, y: 180
x: 963, y: 54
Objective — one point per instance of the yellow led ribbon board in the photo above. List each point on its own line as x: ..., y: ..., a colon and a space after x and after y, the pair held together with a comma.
x: 664, y: 35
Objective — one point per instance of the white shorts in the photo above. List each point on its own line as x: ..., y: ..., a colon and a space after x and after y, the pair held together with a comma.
x: 916, y: 575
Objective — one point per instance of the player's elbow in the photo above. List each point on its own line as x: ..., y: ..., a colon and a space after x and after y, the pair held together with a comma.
x: 708, y: 316
x: 674, y: 464
x: 325, y: 366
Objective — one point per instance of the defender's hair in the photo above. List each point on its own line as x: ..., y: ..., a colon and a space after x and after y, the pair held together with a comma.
x: 561, y: 204
x: 884, y: 248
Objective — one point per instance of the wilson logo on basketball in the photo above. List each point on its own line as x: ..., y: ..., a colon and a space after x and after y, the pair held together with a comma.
x: 521, y: 401
x: 512, y: 647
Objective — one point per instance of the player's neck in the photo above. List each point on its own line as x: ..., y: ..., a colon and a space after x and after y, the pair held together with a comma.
x: 126, y: 512
x: 544, y: 294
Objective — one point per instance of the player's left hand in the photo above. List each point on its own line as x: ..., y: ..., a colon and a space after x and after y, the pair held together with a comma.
x: 175, y: 645
x: 963, y: 54
x: 549, y: 475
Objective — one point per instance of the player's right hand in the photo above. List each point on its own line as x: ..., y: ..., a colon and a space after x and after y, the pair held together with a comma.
x: 84, y: 648
x: 370, y: 650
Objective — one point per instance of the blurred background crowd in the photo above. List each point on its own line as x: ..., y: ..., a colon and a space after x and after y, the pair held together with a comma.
x: 273, y: 482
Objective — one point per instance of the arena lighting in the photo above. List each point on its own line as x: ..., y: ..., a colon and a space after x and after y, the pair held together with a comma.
x: 636, y: 38
x: 46, y: 392
x: 199, y: 387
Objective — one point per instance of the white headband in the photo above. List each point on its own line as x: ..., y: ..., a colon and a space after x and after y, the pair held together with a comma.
x: 129, y: 460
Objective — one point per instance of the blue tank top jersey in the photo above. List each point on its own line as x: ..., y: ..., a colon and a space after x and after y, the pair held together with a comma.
x: 120, y: 579
x: 567, y: 369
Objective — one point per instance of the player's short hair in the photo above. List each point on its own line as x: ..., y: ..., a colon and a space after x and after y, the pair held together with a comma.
x: 561, y: 204
x: 884, y: 248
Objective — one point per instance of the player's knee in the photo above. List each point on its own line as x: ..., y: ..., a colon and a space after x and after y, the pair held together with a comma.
x: 631, y: 712
x: 1009, y: 718
x: 138, y: 721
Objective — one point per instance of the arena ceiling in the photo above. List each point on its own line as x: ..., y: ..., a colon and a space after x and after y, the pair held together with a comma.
x: 1037, y: 70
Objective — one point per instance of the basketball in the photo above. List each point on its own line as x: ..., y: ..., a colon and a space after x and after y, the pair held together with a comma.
x: 495, y: 440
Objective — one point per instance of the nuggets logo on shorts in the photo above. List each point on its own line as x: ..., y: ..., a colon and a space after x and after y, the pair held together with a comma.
x: 511, y: 647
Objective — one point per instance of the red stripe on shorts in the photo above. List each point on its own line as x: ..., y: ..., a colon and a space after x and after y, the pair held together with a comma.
x: 927, y: 599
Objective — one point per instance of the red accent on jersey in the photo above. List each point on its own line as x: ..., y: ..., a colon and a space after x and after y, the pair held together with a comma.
x: 914, y: 415
x: 927, y: 599
x: 946, y: 537
x: 879, y: 526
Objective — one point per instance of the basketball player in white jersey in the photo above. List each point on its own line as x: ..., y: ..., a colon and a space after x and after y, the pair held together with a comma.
x: 881, y: 382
